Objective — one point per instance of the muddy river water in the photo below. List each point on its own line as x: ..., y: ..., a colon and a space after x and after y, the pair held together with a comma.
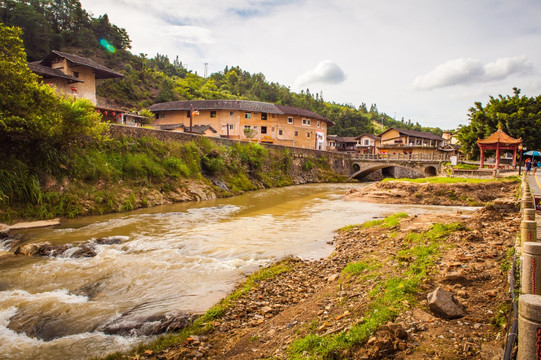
x: 174, y: 258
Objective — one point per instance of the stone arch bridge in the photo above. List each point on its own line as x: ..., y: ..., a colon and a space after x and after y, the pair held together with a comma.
x: 375, y: 166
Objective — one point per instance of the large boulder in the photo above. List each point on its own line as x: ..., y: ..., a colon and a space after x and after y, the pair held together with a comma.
x: 441, y: 302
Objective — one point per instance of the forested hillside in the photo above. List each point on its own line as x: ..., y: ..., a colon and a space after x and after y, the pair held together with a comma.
x: 64, y: 25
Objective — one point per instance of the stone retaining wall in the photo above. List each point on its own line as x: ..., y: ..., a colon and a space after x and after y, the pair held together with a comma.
x: 339, y: 162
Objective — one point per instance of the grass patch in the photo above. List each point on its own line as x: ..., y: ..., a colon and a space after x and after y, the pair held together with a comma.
x: 388, y: 222
x: 466, y: 166
x: 452, y: 180
x: 388, y: 299
x: 361, y: 267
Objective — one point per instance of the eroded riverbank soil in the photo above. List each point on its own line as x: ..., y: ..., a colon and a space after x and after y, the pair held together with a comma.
x: 458, y: 194
x: 319, y: 298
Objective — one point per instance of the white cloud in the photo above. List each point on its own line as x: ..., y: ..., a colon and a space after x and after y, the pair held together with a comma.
x: 326, y: 72
x: 502, y: 68
x: 190, y: 34
x: 467, y: 71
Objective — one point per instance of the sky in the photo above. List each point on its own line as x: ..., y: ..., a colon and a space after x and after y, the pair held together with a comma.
x: 427, y: 61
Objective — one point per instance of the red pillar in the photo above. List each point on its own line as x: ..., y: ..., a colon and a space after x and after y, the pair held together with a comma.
x: 514, y: 157
x: 481, y: 164
x: 497, y: 155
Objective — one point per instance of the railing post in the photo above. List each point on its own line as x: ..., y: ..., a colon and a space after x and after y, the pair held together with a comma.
x: 529, y: 323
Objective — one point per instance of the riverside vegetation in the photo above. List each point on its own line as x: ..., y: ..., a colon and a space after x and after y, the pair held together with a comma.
x: 58, y: 159
x: 122, y: 174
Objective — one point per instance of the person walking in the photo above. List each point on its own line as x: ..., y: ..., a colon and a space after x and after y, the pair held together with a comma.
x: 528, y: 166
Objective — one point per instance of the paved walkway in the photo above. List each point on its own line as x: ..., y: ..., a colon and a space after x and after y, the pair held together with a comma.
x: 535, y: 187
x: 534, y: 182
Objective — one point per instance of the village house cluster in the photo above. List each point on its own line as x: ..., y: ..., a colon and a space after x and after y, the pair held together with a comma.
x: 253, y: 121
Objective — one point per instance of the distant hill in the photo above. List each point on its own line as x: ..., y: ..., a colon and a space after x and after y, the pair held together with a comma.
x: 66, y: 26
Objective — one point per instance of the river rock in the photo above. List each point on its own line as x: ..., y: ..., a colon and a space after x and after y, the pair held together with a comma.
x: 35, y: 249
x: 112, y: 240
x: 82, y: 251
x: 4, y: 231
x: 49, y: 325
x: 47, y: 249
x: 131, y: 325
x: 441, y: 302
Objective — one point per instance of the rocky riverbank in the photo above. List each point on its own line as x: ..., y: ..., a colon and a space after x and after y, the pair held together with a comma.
x: 454, y: 304
x: 454, y: 194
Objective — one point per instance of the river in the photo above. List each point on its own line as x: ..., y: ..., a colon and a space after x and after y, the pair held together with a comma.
x: 176, y: 258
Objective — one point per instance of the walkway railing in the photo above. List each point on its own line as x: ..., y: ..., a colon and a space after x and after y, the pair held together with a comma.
x: 401, y: 157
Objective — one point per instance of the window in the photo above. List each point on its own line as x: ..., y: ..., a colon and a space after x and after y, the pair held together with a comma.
x: 213, y: 113
x: 231, y: 126
x: 263, y: 129
x: 263, y: 116
x: 307, y: 135
x: 296, y: 133
x: 231, y: 113
x: 76, y: 74
x: 306, y: 122
x: 280, y: 132
x: 162, y: 115
x: 187, y: 113
x: 255, y: 127
x: 246, y: 127
x: 290, y: 120
x: 248, y: 115
x: 366, y: 142
x: 318, y: 123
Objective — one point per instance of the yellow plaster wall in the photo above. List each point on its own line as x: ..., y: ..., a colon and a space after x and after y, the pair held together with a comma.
x: 274, y: 124
x: 84, y: 90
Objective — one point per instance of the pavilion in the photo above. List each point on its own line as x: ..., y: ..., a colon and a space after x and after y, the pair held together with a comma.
x: 499, y: 141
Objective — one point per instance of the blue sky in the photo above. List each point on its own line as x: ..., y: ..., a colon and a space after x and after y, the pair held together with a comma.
x: 424, y: 60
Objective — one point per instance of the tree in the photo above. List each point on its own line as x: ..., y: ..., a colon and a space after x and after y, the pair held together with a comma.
x: 36, y: 125
x: 518, y: 116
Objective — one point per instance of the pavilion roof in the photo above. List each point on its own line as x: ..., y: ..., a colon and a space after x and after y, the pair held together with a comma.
x: 499, y: 137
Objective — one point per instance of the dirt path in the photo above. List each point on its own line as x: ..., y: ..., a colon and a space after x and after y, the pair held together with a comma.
x: 324, y: 300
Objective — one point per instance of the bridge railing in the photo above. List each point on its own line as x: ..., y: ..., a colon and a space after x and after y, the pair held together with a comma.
x: 402, y: 157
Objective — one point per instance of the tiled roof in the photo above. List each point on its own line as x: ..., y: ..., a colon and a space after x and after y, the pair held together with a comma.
x: 170, y: 126
x: 419, y: 134
x: 499, y: 137
x: 254, y: 106
x: 375, y: 137
x: 200, y: 129
x: 48, y: 72
x: 239, y: 105
x: 100, y: 71
x: 290, y: 110
x: 196, y: 129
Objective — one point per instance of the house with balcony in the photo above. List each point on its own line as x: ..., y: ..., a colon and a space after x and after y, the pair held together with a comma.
x: 363, y: 144
x: 368, y: 143
x: 253, y: 121
x: 76, y: 76
x: 402, y: 141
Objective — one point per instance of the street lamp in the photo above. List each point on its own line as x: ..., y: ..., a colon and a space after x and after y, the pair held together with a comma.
x: 520, y: 157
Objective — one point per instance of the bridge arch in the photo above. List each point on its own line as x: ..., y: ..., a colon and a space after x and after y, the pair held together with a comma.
x: 387, y: 170
x: 430, y: 171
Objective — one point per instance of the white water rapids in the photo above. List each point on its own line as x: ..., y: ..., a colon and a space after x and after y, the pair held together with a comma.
x: 181, y: 257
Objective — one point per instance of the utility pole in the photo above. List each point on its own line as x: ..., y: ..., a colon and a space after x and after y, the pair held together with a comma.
x: 191, y: 117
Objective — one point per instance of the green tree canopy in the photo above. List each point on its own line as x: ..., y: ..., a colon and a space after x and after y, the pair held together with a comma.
x: 519, y: 116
